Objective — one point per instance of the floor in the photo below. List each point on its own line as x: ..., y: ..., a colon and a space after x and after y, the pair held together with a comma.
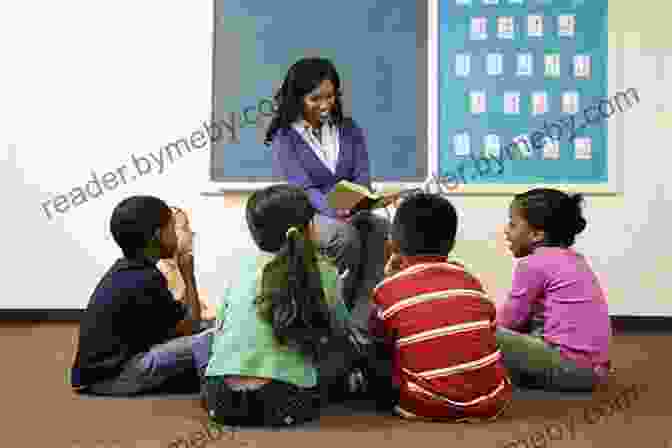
x: 40, y: 409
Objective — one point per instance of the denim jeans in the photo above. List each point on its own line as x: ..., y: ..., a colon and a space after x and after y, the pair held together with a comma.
x: 534, y: 363
x: 358, y: 250
x: 177, y: 360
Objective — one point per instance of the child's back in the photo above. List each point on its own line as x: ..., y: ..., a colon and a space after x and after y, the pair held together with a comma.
x: 446, y: 357
x: 245, y: 345
x: 440, y: 321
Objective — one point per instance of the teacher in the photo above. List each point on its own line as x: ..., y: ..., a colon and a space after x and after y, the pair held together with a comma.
x: 315, y: 146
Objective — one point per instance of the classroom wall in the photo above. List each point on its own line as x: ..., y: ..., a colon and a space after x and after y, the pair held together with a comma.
x: 91, y: 87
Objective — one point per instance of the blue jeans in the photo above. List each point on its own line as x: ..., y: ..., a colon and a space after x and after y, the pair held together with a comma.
x: 182, y: 359
x: 534, y: 363
x: 358, y: 250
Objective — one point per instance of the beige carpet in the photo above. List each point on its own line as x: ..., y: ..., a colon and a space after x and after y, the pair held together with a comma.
x: 41, y: 411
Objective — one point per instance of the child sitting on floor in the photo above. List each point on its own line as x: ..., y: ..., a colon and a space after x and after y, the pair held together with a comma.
x: 128, y: 338
x: 439, y: 321
x: 554, y: 328
x: 279, y: 314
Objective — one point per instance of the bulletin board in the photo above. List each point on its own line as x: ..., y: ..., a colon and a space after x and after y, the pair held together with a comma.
x: 508, y: 71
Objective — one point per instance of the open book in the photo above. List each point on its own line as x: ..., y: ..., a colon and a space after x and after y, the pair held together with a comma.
x: 355, y: 197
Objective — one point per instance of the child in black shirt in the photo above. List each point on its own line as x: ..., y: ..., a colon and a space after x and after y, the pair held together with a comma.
x: 134, y: 336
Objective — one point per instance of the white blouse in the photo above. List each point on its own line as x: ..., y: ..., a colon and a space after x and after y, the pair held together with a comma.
x: 327, y: 151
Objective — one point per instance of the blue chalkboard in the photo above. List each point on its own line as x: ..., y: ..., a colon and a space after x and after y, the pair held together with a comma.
x: 511, y: 67
x: 377, y: 47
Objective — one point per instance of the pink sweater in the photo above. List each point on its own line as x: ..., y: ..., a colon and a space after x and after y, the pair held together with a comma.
x: 558, y: 286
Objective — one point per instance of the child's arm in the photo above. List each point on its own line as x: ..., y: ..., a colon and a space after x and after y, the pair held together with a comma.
x: 186, y: 264
x: 393, y: 264
x: 376, y: 327
x: 188, y: 326
x: 528, y: 285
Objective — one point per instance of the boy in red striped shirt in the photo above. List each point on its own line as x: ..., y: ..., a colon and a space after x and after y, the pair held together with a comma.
x: 440, y: 322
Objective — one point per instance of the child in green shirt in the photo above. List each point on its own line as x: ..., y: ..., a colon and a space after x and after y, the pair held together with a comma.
x: 276, y: 321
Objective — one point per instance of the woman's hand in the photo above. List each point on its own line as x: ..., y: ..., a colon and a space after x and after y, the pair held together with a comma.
x: 391, y: 200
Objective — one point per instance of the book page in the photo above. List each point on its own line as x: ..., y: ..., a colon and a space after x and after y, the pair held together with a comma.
x: 348, y: 195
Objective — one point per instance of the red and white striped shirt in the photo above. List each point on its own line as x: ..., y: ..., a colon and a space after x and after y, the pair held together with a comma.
x: 442, y: 324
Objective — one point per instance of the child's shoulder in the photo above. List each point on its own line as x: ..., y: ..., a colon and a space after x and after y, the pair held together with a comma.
x: 451, y: 273
x: 544, y: 257
x: 133, y: 274
x: 129, y: 281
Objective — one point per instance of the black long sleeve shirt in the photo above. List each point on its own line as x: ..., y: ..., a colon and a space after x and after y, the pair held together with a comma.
x: 130, y: 310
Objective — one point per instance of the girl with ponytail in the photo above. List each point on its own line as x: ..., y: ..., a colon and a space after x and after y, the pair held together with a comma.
x: 276, y: 320
x: 554, y: 330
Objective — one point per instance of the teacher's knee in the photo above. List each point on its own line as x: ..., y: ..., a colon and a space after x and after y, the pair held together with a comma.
x: 348, y: 242
x: 381, y: 225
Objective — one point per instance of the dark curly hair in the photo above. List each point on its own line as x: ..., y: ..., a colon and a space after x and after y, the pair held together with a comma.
x: 558, y: 214
x: 302, y: 78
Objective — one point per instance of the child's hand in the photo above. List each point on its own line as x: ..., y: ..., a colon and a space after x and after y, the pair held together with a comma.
x: 208, y: 310
x: 393, y: 265
x: 185, y: 262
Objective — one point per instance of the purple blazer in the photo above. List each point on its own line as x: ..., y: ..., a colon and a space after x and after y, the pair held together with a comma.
x: 294, y: 159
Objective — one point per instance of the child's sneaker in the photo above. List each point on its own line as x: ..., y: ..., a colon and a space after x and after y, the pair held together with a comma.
x: 357, y: 383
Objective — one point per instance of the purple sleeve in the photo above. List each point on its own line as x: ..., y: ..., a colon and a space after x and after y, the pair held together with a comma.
x: 286, y: 159
x: 528, y: 286
x: 361, y: 173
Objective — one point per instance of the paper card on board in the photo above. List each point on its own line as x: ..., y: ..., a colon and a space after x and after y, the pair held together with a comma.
x: 511, y: 103
x: 505, y: 27
x: 479, y: 28
x: 583, y: 148
x: 535, y: 26
x: 566, y: 25
x: 570, y: 102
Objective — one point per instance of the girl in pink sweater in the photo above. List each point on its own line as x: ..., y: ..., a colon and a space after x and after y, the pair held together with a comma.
x: 554, y: 330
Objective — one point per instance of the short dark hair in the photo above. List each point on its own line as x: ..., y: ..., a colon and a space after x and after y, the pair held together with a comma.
x: 271, y: 211
x: 302, y: 78
x: 425, y: 224
x: 558, y: 214
x: 135, y: 220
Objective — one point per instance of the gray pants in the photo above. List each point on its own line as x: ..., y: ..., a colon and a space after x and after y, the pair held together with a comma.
x: 534, y: 363
x: 358, y: 249
x: 182, y: 359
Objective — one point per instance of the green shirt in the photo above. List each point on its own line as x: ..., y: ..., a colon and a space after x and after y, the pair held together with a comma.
x: 244, y: 345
